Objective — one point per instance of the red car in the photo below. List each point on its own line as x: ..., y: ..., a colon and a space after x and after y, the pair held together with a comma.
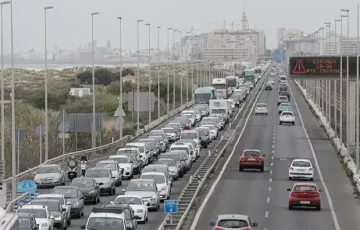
x: 251, y: 159
x: 304, y: 195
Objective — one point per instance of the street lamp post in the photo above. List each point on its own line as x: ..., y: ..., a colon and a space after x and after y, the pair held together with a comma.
x: 158, y: 54
x: 46, y: 91
x: 138, y: 76
x: 120, y: 80
x: 181, y: 64
x: 174, y: 71
x: 2, y: 159
x: 93, y: 125
x: 150, y: 101
x: 357, y: 93
x: 169, y: 72
x: 328, y: 83
x: 13, y: 131
x: 335, y: 83
x: 341, y: 78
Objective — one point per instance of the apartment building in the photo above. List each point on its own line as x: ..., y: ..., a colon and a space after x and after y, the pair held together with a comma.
x: 231, y: 45
x: 286, y: 34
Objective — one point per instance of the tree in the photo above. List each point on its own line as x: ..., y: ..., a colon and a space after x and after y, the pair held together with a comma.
x: 103, y: 76
x: 128, y: 71
x: 84, y: 77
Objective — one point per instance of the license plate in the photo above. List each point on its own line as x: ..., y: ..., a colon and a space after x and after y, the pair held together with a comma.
x: 301, y: 170
x: 251, y: 159
x: 304, y: 202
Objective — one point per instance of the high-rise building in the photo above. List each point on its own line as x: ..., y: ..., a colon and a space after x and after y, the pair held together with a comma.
x: 286, y: 34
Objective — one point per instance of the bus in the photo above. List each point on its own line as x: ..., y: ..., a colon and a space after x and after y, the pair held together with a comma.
x: 249, y: 75
x: 221, y: 87
x: 204, y: 94
x: 8, y: 221
x: 231, y: 81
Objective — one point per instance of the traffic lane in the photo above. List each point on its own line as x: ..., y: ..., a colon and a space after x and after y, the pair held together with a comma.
x: 291, y: 143
x: 243, y: 192
x: 347, y: 207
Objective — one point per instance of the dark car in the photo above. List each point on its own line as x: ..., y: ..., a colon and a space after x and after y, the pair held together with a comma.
x: 89, y: 188
x: 204, y: 136
x: 73, y: 195
x: 27, y: 221
x: 268, y: 86
x: 130, y: 217
x: 285, y: 93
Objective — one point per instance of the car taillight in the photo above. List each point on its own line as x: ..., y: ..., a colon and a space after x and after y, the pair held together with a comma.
x: 242, y: 159
x: 218, y: 228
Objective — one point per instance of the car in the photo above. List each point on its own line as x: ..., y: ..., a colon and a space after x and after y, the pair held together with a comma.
x: 304, y: 195
x: 171, y: 133
x: 41, y: 213
x: 186, y: 146
x: 287, y: 117
x: 190, y: 116
x: 284, y: 107
x: 204, y: 133
x: 101, y: 217
x: 56, y: 210
x: 129, y: 213
x: 73, y: 195
x: 50, y: 175
x: 89, y: 188
x: 154, y: 145
x: 125, y: 165
x: 214, y: 131
x: 116, y: 172
x: 174, y: 171
x: 162, y: 182
x: 233, y: 221
x: 137, y: 204
x: 261, y: 108
x: 177, y: 157
x: 285, y: 93
x: 144, y: 151
x: 61, y: 198
x: 177, y: 127
x: 282, y: 99
x: 27, y: 221
x: 268, y: 86
x: 301, y: 169
x: 271, y: 81
x: 104, y: 178
x: 252, y: 159
x: 147, y: 189
x: 190, y: 135
x: 283, y: 86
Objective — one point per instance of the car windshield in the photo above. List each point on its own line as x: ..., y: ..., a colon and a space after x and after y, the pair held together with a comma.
x: 67, y: 192
x: 283, y: 85
x: 140, y: 148
x: 251, y: 153
x: 159, y: 179
x: 53, y: 206
x: 231, y: 223
x: 98, y: 174
x: 301, y: 164
x: 121, y: 160
x: 132, y: 157
x: 38, y: 213
x: 24, y: 223
x: 304, y: 188
x: 283, y: 98
x: 129, y: 200
x: 285, y: 105
x: 168, y: 162
x: 48, y: 169
x: 186, y: 115
x: 168, y: 130
x: 261, y: 105
x: 83, y: 183
x: 108, y: 165
x: 180, y: 148
x: 141, y: 186
x: 287, y: 114
x: 126, y: 151
x: 201, y: 131
x: 188, y: 135
x: 108, y: 223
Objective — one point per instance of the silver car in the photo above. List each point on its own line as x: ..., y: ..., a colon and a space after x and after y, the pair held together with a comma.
x: 282, y: 99
x: 146, y: 189
x: 104, y: 178
x: 261, y: 108
x: 171, y: 164
x: 61, y: 198
x: 74, y: 195
x: 56, y: 210
x: 49, y: 176
x: 184, y: 157
x: 114, y: 167
x: 159, y: 168
x: 171, y: 133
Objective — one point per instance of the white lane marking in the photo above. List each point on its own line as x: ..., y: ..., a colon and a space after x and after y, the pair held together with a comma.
x: 268, y: 200
x: 273, y: 146
x: 272, y: 157
x: 270, y: 171
x: 211, y: 191
x: 266, y: 214
x: 271, y: 164
x: 326, y: 190
x: 270, y: 189
x: 270, y: 180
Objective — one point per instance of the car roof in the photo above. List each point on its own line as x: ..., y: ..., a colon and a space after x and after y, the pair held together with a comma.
x: 189, y: 131
x: 157, y: 165
x: 253, y: 150
x: 301, y: 160
x: 35, y: 206
x: 128, y: 195
x: 118, y: 156
x: 233, y: 216
x: 49, y: 195
x: 99, y: 168
x: 107, y: 161
x: 141, y: 180
x: 24, y: 214
x: 135, y: 144
x: 153, y: 173
x: 304, y: 184
x: 128, y: 148
x: 261, y: 103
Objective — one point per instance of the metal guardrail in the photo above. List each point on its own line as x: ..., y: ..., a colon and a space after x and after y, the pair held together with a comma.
x: 95, y: 151
x: 10, y: 206
x: 193, y: 187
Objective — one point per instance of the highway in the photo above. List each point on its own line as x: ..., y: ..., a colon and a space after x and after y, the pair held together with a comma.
x: 155, y: 218
x: 263, y: 196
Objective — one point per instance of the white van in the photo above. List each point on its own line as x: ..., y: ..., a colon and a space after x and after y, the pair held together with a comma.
x: 144, y: 154
x: 187, y: 146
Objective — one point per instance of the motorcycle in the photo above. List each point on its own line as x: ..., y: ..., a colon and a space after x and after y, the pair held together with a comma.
x: 72, y: 170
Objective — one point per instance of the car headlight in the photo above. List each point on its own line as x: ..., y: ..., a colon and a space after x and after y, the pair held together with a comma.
x: 76, y: 204
x: 92, y: 191
x: 43, y: 225
x: 153, y: 198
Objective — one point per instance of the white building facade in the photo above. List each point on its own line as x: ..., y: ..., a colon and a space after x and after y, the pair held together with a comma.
x: 286, y: 34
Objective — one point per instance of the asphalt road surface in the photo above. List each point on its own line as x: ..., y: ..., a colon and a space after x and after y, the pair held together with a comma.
x: 155, y: 218
x: 263, y: 196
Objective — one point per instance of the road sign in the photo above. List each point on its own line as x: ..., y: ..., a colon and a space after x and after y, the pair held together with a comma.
x: 119, y: 112
x: 321, y: 67
x: 63, y: 114
x: 171, y: 206
x: 27, y: 186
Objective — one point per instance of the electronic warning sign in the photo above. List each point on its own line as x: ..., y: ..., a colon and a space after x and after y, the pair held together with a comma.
x: 321, y: 67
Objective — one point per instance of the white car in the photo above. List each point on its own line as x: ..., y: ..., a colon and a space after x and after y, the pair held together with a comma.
x: 214, y: 131
x: 287, y: 117
x: 65, y: 204
x: 162, y: 183
x: 125, y: 165
x: 41, y: 214
x: 301, y: 169
x: 229, y: 221
x: 98, y: 219
x: 137, y: 204
x: 144, y: 156
x: 261, y: 108
x: 115, y: 170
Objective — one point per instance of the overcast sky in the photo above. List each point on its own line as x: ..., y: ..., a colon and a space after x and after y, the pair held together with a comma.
x: 69, y: 23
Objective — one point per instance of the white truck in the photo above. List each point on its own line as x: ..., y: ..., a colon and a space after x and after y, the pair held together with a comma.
x: 220, y: 106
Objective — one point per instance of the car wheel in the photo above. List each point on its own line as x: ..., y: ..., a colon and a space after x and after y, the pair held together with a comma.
x: 240, y: 169
x: 69, y: 221
x: 318, y: 208
x: 78, y: 215
x: 255, y: 114
x: 262, y: 168
x: 290, y: 207
x: 110, y: 192
x: 95, y: 201
x: 293, y: 123
x: 114, y: 191
x: 280, y: 123
x: 146, y: 219
x: 98, y: 199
